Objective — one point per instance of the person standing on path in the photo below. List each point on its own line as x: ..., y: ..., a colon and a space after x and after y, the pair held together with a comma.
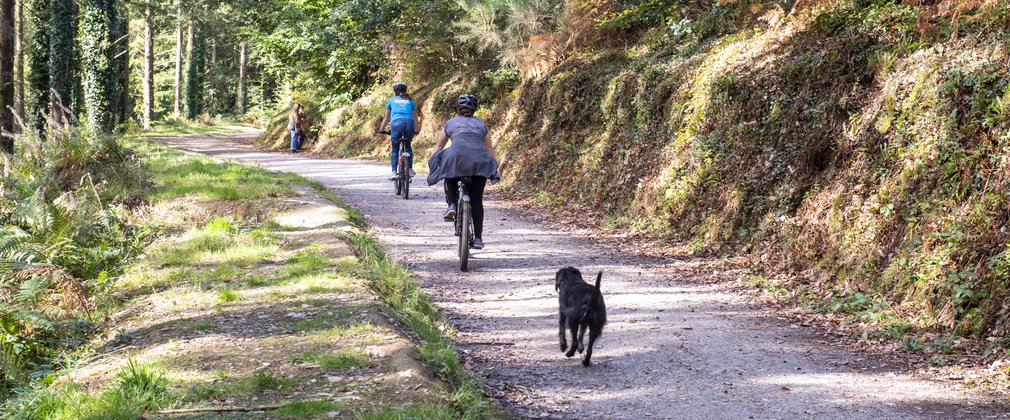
x: 471, y: 155
x: 402, y: 115
x: 295, y: 126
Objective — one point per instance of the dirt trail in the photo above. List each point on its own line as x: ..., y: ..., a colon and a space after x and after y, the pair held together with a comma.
x: 675, y: 346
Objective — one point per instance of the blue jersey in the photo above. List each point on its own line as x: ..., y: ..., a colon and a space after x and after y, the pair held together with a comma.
x: 400, y: 108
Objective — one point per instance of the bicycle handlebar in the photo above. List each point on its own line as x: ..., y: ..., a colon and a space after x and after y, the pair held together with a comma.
x: 384, y: 132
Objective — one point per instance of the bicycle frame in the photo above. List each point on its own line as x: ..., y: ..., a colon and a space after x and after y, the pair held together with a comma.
x: 401, y: 184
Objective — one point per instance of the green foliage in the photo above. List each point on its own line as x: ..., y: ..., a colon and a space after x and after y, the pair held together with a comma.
x: 61, y: 243
x: 504, y: 27
x: 642, y: 14
x: 36, y: 23
x: 136, y: 390
x: 98, y: 19
x: 196, y: 56
x: 64, y: 59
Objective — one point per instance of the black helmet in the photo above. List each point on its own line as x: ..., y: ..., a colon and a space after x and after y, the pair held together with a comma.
x: 399, y: 88
x: 466, y: 101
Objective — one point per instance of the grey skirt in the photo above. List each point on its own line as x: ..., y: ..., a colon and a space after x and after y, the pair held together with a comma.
x: 462, y: 159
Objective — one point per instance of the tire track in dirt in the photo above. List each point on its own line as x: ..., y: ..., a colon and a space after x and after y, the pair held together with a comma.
x: 675, y: 346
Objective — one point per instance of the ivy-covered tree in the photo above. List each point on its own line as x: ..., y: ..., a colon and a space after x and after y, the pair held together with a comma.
x: 195, y: 62
x: 37, y: 59
x: 97, y: 31
x: 63, y: 59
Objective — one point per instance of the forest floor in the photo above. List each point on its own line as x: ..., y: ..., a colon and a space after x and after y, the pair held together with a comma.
x: 254, y: 306
x: 681, y: 341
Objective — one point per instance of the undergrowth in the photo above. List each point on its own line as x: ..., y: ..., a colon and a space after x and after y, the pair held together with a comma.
x: 63, y: 241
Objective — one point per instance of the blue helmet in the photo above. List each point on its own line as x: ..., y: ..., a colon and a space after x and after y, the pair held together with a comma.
x: 399, y: 88
x: 466, y: 101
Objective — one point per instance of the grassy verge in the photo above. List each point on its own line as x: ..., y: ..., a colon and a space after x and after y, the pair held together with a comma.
x: 221, y: 281
x: 411, y: 306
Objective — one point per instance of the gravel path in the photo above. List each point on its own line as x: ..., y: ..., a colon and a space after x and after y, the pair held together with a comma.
x: 675, y: 346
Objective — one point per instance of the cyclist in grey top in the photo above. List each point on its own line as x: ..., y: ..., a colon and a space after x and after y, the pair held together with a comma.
x: 470, y: 155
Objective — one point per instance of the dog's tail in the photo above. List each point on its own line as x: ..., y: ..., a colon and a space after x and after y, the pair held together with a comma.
x: 597, y: 294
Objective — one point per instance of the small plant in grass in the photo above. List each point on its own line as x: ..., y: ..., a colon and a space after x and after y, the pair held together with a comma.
x: 203, y: 326
x: 306, y: 261
x: 340, y: 359
x: 266, y: 381
x: 228, y: 295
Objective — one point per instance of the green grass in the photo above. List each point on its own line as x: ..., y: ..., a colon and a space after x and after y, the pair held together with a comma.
x: 259, y: 382
x: 414, y: 411
x: 137, y: 389
x: 203, y: 326
x: 394, y: 284
x: 176, y: 175
x: 307, y: 409
x: 228, y: 295
x: 306, y: 261
x: 340, y: 359
x: 324, y: 321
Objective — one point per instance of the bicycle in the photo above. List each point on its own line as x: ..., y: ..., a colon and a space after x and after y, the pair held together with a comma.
x: 401, y: 183
x: 464, y: 223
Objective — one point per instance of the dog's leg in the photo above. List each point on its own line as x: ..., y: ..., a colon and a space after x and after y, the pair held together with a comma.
x: 582, y: 335
x: 574, y: 326
x: 562, y: 339
x: 594, y: 333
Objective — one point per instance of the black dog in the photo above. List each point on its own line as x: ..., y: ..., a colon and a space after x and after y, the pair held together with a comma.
x: 580, y: 306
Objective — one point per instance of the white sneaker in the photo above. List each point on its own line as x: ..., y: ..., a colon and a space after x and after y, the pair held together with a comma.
x: 392, y: 176
x: 412, y: 173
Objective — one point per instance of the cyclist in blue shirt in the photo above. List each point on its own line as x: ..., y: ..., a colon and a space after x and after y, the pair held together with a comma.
x: 401, y: 114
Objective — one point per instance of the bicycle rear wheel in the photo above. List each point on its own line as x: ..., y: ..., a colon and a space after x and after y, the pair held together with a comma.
x: 405, y: 179
x: 463, y: 216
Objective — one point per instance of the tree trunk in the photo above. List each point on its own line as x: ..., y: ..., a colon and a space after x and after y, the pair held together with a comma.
x: 195, y: 59
x: 7, y: 74
x: 148, y: 66
x: 178, y: 58
x: 120, y: 17
x: 19, y: 64
x: 37, y: 94
x: 63, y: 59
x: 97, y: 37
x: 242, y: 59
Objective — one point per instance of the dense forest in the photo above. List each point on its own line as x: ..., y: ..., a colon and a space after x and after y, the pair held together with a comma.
x: 854, y: 152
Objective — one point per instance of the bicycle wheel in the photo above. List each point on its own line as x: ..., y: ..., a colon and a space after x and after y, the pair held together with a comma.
x: 463, y: 216
x: 397, y: 186
x: 405, y: 179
